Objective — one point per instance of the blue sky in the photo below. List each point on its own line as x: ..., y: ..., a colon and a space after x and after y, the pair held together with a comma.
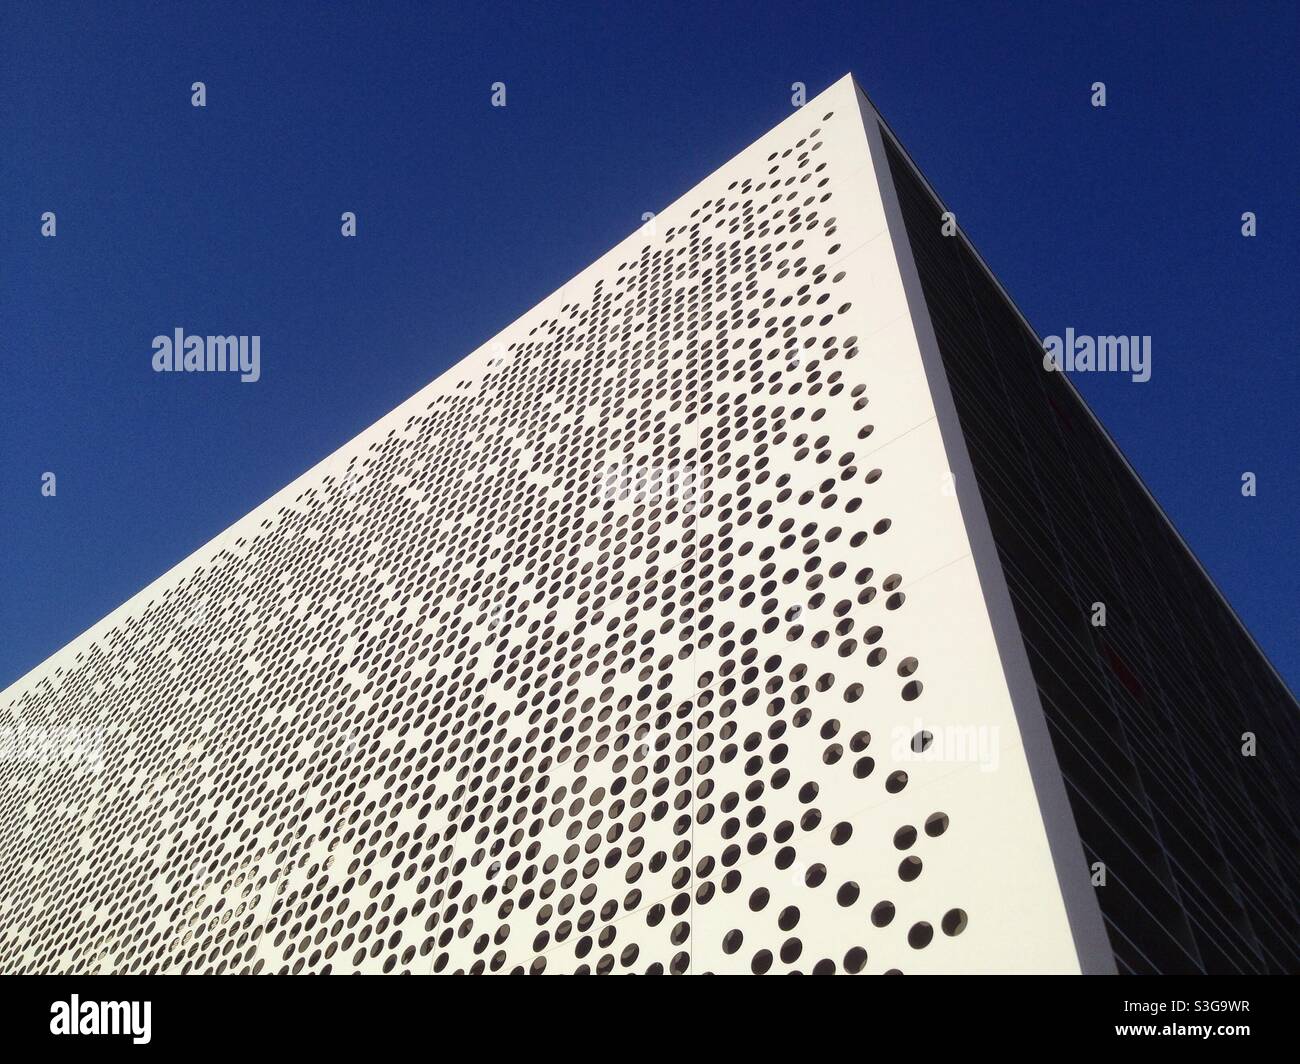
x: 225, y: 220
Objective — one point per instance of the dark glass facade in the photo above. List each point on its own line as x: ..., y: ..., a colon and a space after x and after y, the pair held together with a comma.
x: 1147, y: 713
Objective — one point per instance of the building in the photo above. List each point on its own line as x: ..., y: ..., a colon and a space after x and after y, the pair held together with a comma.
x: 731, y: 611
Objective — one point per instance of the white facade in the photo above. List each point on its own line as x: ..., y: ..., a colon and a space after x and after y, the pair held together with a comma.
x: 570, y: 659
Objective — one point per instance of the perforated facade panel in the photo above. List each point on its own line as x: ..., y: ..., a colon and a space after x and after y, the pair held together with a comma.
x: 658, y: 635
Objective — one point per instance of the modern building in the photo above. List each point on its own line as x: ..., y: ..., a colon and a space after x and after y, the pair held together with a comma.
x: 734, y: 610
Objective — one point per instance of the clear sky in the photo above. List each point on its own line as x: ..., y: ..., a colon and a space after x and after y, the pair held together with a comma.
x: 225, y: 219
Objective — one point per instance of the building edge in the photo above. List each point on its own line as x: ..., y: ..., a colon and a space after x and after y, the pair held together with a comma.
x: 1083, y: 912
